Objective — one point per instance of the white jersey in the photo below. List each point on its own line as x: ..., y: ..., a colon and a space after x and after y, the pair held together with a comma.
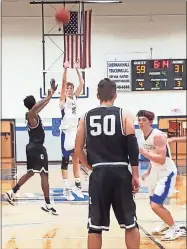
x: 69, y: 114
x: 148, y: 144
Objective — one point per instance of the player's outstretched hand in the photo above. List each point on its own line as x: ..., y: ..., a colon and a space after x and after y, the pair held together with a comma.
x: 77, y: 64
x: 53, y: 85
x: 66, y: 64
x: 135, y: 185
x: 50, y: 92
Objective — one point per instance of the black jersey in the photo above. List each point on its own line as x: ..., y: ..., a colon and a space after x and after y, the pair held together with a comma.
x: 36, y: 134
x: 106, y: 144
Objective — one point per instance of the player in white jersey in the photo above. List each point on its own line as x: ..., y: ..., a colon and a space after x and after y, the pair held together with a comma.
x: 162, y: 173
x: 68, y: 128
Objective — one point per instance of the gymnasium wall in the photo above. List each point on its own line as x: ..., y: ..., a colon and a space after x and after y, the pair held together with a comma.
x: 120, y: 31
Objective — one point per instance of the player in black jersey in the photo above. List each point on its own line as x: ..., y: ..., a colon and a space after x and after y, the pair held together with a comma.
x: 109, y: 135
x: 37, y: 158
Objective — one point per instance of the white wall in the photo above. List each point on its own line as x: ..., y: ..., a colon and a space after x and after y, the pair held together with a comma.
x: 115, y: 34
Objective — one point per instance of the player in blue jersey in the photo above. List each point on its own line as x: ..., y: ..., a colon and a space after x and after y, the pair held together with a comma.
x: 162, y: 174
x: 68, y: 128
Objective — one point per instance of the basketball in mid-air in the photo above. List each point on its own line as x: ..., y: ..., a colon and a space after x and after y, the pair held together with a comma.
x: 62, y: 16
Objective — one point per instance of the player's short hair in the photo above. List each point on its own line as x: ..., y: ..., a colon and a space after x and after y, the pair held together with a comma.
x: 69, y: 84
x: 29, y: 102
x: 106, y: 90
x: 147, y: 114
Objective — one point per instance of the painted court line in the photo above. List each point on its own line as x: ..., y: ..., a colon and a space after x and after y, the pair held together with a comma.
x: 29, y: 223
x: 151, y: 237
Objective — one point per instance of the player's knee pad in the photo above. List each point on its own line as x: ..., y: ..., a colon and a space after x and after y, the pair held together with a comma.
x: 64, y: 163
x: 94, y: 231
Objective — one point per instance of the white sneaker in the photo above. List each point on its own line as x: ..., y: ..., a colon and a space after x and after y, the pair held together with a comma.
x: 162, y: 229
x: 68, y: 195
x: 9, y: 196
x: 78, y: 192
x: 173, y: 233
x: 49, y: 208
x: 183, y: 231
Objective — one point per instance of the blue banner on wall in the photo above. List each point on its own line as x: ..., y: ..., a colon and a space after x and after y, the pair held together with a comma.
x: 55, y: 126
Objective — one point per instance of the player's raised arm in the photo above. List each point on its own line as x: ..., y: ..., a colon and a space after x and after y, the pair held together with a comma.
x: 81, y: 81
x: 159, y: 157
x: 33, y: 112
x: 63, y: 87
x: 79, y: 144
x: 50, y: 93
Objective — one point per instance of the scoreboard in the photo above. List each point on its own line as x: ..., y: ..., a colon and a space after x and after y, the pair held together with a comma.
x: 156, y: 75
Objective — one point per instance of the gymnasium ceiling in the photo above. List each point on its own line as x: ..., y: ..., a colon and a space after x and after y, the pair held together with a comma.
x: 125, y: 1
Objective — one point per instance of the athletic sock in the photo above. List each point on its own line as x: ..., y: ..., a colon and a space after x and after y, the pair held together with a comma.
x: 47, y: 200
x: 16, y: 188
x: 173, y: 226
x: 65, y: 182
x: 78, y: 182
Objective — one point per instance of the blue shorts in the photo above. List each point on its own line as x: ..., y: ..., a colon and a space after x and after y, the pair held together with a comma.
x: 65, y: 153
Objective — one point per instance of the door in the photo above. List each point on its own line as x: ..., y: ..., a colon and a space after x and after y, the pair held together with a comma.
x: 8, y: 160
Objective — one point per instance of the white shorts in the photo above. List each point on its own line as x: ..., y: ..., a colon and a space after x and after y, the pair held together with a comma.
x: 161, y: 185
x: 68, y: 139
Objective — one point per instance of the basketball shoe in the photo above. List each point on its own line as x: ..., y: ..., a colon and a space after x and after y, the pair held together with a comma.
x: 78, y: 192
x: 9, y: 196
x: 68, y: 195
x: 49, y: 209
x: 161, y: 229
x: 173, y: 233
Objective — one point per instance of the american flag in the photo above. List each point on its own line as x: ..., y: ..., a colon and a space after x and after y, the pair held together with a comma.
x: 77, y: 46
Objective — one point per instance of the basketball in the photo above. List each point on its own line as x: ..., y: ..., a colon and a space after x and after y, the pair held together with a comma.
x: 62, y: 16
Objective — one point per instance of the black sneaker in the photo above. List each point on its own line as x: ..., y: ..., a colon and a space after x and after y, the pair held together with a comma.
x: 49, y: 209
x: 10, y: 197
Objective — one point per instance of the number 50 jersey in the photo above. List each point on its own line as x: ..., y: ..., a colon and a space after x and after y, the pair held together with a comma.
x: 106, y: 143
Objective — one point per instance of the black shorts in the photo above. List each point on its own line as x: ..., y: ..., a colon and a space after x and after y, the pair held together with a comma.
x: 111, y: 186
x: 37, y: 158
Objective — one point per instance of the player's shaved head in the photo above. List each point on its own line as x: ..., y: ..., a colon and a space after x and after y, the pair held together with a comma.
x: 147, y: 114
x: 106, y: 90
x: 29, y: 102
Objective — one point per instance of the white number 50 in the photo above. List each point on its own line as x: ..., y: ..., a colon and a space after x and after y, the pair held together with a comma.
x: 108, y: 125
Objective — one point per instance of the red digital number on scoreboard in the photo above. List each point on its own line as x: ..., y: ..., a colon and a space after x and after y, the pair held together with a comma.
x: 161, y: 64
